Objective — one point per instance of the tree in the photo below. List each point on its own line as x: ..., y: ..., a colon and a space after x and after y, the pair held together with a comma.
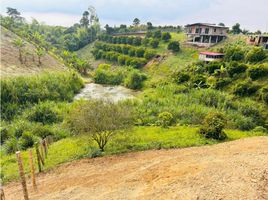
x: 166, y: 36
x: 221, y: 24
x: 236, y: 29
x: 136, y: 22
x: 39, y: 52
x: 85, y: 20
x: 258, y: 32
x: 245, y: 32
x: 100, y: 120
x: 19, y: 43
x: 174, y: 46
x: 13, y: 13
x: 154, y: 43
x: 149, y: 26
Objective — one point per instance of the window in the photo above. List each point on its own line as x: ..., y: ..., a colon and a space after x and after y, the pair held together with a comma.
x: 215, y: 30
x: 206, y: 30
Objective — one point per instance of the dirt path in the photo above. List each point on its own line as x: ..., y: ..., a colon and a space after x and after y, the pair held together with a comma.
x: 233, y: 170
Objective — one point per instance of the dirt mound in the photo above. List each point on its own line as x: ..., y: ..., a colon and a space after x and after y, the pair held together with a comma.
x: 10, y: 64
x: 232, y: 170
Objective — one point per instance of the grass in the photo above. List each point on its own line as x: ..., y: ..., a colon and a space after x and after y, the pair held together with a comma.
x: 139, y: 138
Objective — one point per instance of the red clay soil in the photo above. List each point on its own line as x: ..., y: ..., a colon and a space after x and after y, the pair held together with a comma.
x: 234, y: 170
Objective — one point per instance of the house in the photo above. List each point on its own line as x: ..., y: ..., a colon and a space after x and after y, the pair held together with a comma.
x: 204, y: 34
x: 258, y: 40
x: 211, y: 56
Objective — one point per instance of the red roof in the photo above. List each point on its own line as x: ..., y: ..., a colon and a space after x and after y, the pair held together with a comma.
x: 212, y: 53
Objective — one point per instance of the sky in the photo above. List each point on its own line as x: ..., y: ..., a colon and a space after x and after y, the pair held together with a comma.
x: 251, y: 14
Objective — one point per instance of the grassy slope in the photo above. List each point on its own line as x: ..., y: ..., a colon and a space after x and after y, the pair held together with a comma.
x: 140, y: 138
x: 10, y: 64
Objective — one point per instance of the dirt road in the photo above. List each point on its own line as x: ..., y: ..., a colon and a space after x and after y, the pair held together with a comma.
x: 234, y: 170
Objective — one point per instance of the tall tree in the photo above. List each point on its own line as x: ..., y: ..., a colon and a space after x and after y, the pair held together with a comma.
x: 39, y: 52
x: 84, y: 21
x: 149, y: 25
x: 236, y: 29
x: 13, y: 13
x: 136, y: 22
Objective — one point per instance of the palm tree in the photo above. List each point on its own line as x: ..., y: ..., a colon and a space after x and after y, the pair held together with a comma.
x: 19, y: 43
x: 39, y: 52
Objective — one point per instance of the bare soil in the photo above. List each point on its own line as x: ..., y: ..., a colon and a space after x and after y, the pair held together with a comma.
x: 234, y: 170
x: 10, y: 64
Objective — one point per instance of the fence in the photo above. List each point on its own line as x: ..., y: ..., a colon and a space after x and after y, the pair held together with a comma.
x: 41, y: 151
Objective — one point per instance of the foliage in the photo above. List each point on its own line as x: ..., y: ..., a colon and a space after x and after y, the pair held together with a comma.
x: 257, y: 71
x: 234, y: 53
x: 182, y: 77
x: 213, y: 126
x: 20, y: 92
x: 165, y: 119
x: 135, y: 80
x: 245, y: 88
x: 154, y: 43
x: 174, y: 46
x: 166, y: 36
x: 235, y: 67
x: 100, y: 120
x: 255, y: 55
x: 236, y: 29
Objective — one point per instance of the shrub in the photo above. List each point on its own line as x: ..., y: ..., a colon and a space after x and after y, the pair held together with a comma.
x: 148, y: 54
x: 166, y: 36
x: 245, y: 88
x: 236, y: 68
x: 11, y: 146
x: 139, y: 52
x: 222, y: 82
x: 165, y: 119
x: 135, y: 80
x: 157, y: 34
x: 212, y: 66
x: 264, y: 95
x: 182, y: 77
x: 234, y: 54
x: 256, y: 54
x: 4, y: 135
x: 121, y: 60
x: 213, y: 126
x: 107, y: 77
x: 199, y: 81
x: 45, y: 113
x: 137, y: 41
x: 131, y: 52
x: 26, y: 140
x: 260, y: 129
x: 257, y: 71
x: 174, y: 46
x: 154, y: 43
x: 100, y: 120
x: 42, y: 131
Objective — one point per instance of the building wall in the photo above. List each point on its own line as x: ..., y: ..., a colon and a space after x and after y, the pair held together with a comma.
x: 211, y: 30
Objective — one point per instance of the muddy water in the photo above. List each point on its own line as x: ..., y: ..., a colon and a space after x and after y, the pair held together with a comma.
x: 110, y: 93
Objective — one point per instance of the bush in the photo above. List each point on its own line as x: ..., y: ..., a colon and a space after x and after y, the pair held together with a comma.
x: 135, y: 80
x: 199, y: 81
x: 139, y: 52
x: 154, y: 43
x: 165, y: 119
x: 256, y: 54
x: 157, y: 34
x: 264, y: 95
x: 166, y: 36
x: 174, y: 46
x: 107, y: 77
x: 212, y: 66
x: 234, y: 54
x: 257, y: 71
x: 11, y: 146
x: 260, y: 129
x: 42, y: 131
x: 213, y: 126
x: 235, y: 67
x: 148, y: 54
x: 182, y: 77
x: 45, y: 113
x: 26, y: 140
x: 4, y: 135
x: 222, y: 82
x: 246, y: 88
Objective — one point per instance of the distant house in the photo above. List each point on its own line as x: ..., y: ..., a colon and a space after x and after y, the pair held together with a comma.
x: 204, y: 34
x: 211, y: 56
x: 259, y: 40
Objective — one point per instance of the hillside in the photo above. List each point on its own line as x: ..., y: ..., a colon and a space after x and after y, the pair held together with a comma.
x: 232, y: 170
x: 10, y: 64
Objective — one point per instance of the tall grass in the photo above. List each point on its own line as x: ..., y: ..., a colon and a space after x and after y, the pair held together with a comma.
x: 20, y: 92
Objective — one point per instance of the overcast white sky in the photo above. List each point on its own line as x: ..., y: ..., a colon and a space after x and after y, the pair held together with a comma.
x: 251, y: 14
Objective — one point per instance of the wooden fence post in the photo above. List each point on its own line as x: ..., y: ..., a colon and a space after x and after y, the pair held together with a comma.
x: 45, y: 146
x: 32, y: 169
x: 2, y: 194
x: 38, y: 157
x: 42, y: 151
x: 22, y: 176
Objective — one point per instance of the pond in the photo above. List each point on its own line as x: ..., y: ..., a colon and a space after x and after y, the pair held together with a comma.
x: 106, y: 93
